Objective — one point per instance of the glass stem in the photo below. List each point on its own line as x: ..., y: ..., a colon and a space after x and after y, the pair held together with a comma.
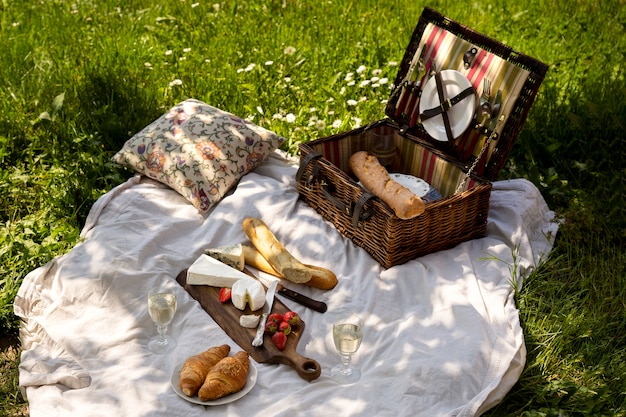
x: 162, y: 330
x: 345, y: 364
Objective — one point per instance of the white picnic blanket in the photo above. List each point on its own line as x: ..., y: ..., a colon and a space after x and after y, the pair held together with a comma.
x: 442, y: 333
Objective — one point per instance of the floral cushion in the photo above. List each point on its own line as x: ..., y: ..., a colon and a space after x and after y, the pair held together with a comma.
x: 198, y: 150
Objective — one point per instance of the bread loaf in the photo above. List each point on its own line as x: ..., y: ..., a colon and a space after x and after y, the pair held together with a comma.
x: 274, y: 252
x: 321, y: 278
x: 228, y: 376
x: 196, y: 368
x: 374, y: 177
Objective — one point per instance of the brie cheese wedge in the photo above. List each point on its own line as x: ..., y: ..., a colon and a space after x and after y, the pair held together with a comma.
x: 248, y: 291
x: 209, y: 271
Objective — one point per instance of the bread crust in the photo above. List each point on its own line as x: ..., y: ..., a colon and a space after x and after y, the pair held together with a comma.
x: 228, y: 376
x: 404, y: 203
x: 196, y: 368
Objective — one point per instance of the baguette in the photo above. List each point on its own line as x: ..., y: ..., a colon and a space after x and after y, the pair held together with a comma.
x: 374, y: 177
x: 321, y: 278
x: 274, y: 252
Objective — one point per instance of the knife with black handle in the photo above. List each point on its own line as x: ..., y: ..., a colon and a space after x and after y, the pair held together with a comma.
x: 299, y: 298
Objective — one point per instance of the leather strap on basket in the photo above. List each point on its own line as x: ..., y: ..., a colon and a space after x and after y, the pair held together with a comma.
x: 446, y: 104
x: 359, y: 213
x: 305, y: 162
x: 442, y: 98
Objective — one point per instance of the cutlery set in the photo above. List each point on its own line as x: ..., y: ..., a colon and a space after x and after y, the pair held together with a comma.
x: 420, y: 71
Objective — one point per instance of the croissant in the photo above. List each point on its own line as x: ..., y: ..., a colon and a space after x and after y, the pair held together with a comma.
x: 196, y: 368
x: 228, y: 376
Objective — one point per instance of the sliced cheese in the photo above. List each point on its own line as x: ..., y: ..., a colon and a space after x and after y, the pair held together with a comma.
x: 248, y: 291
x: 249, y: 321
x: 231, y: 255
x: 209, y: 271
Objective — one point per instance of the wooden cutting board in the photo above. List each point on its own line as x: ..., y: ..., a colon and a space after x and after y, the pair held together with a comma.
x: 227, y: 316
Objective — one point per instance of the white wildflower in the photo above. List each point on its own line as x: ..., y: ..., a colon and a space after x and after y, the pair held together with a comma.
x: 351, y: 83
x: 169, y: 52
x: 383, y: 81
x: 250, y: 67
x: 259, y: 109
x: 290, y: 50
x: 349, y: 76
x: 357, y: 122
x: 364, y: 83
x: 268, y: 63
x: 277, y: 116
x: 377, y: 72
x: 342, y: 91
x: 337, y: 124
x: 320, y: 124
x: 187, y: 50
x: 351, y: 102
x: 194, y: 5
x: 175, y: 82
x: 392, y: 64
x: 312, y: 109
x: 361, y: 69
x: 290, y: 118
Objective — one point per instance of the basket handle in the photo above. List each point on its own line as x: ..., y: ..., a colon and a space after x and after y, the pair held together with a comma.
x: 355, y: 210
x: 304, y: 163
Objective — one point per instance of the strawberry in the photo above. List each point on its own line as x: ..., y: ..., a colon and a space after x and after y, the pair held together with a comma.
x: 292, y: 318
x: 280, y: 340
x: 275, y: 317
x: 284, y: 327
x: 225, y: 294
x: 271, y: 327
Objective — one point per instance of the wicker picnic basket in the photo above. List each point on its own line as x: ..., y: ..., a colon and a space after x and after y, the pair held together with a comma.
x: 460, y: 168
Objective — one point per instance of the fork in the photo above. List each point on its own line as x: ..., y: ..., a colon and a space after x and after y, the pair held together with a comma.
x: 485, y: 98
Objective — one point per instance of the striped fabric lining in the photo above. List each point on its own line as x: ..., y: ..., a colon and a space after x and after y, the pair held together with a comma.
x: 446, y: 50
x: 413, y: 159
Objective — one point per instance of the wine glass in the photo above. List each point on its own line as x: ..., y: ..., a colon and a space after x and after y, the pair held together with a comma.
x: 161, y: 306
x: 347, y: 334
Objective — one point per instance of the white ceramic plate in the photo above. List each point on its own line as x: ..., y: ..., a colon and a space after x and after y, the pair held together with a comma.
x: 416, y: 185
x: 252, y: 374
x: 460, y: 115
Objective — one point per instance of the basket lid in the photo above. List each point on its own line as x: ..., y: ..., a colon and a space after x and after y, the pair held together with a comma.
x: 465, y: 93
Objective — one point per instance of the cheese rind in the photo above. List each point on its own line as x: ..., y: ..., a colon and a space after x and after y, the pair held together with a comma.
x: 250, y: 292
x: 207, y: 270
x: 231, y: 255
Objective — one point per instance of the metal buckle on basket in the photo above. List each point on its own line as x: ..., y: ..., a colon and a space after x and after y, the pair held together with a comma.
x: 312, y: 177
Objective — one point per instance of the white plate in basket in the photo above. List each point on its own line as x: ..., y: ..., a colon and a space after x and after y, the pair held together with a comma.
x: 460, y: 115
x: 416, y: 185
x: 252, y: 374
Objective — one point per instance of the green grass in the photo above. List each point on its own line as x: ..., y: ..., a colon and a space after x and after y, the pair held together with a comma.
x: 80, y: 78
